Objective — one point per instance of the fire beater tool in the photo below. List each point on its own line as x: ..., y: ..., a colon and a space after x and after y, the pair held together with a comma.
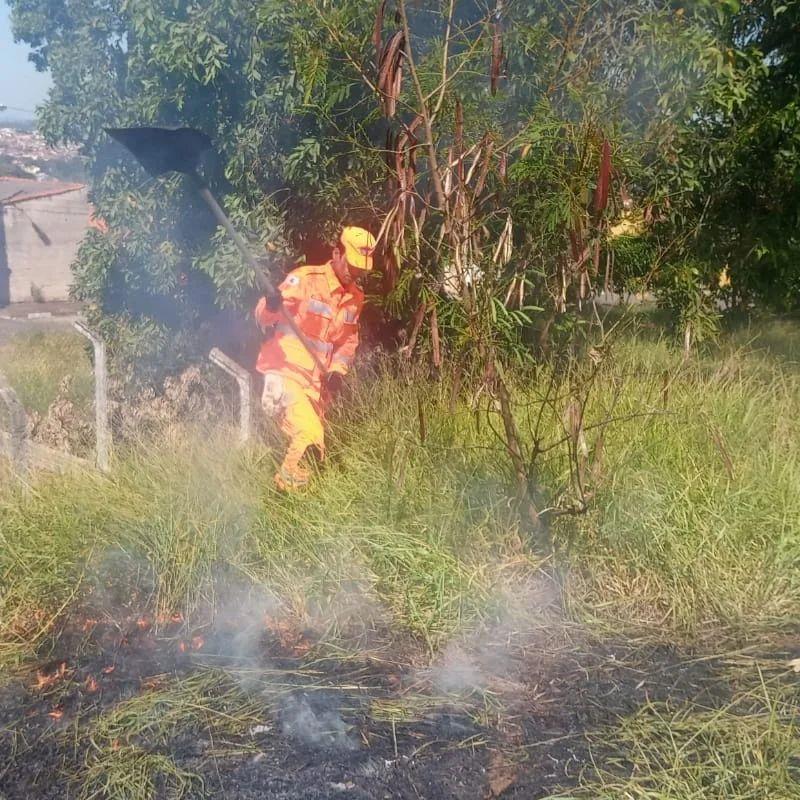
x: 162, y: 150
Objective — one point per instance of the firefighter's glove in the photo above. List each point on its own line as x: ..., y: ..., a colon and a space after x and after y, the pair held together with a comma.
x: 334, y: 383
x: 273, y: 396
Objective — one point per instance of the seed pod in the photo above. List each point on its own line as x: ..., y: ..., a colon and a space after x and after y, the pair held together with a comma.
x: 498, y: 52
x: 390, y: 72
x: 603, y: 178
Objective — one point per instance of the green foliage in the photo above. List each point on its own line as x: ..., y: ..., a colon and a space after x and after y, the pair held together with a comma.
x: 287, y: 93
x: 156, y: 276
x: 634, y: 259
x: 661, y: 74
x: 682, y: 290
x: 741, y: 157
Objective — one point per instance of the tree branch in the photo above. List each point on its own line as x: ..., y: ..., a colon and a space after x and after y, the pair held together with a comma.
x: 426, y: 118
x: 443, y: 87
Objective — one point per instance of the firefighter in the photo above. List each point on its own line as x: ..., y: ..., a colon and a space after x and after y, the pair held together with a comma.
x: 325, y: 302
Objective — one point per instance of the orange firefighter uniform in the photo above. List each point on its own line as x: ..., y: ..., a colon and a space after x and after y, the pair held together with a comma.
x: 327, y: 314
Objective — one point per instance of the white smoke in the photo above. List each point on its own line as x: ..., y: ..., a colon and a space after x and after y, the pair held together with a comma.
x: 322, y: 729
x: 485, y: 658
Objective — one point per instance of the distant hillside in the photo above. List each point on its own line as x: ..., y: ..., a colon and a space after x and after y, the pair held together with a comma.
x: 15, y: 119
x: 24, y: 154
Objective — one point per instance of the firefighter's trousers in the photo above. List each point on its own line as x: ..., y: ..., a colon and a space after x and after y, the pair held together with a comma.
x: 300, y: 417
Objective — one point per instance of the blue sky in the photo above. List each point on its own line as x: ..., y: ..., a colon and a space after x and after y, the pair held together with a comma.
x: 20, y: 84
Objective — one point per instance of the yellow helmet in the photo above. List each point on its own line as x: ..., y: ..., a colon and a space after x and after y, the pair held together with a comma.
x: 359, y: 245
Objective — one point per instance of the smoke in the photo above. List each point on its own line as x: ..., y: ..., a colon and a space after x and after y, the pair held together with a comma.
x: 351, y: 610
x: 458, y: 670
x: 490, y: 656
x: 322, y: 728
x: 239, y: 614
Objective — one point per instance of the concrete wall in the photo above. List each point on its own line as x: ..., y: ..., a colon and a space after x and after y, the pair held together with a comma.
x: 38, y: 241
x: 5, y: 273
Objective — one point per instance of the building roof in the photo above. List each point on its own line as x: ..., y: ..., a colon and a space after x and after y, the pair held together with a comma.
x: 20, y: 190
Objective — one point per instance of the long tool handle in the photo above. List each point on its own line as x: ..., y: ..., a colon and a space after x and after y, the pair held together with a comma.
x: 265, y: 284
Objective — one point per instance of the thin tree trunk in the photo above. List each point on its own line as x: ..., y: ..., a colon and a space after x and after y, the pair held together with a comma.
x: 515, y: 452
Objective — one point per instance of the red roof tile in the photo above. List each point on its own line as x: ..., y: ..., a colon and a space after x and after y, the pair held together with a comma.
x: 20, y: 190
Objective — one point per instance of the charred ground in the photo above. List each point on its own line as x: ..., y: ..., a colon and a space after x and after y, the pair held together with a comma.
x: 520, y: 716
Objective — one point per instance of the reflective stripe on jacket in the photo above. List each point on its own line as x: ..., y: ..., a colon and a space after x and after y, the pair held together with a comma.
x: 325, y: 312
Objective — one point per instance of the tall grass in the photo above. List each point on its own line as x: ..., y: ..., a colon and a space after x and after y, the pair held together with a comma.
x: 36, y: 363
x: 695, y: 525
x: 747, y: 750
x: 697, y: 522
x: 180, y: 521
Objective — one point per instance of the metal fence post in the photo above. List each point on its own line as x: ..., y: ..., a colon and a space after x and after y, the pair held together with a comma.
x: 17, y: 439
x: 245, y: 381
x: 101, y: 415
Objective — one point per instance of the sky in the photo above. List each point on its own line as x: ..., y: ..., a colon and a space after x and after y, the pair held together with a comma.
x: 21, y: 86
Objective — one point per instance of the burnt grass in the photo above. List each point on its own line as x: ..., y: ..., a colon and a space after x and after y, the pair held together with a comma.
x: 522, y: 733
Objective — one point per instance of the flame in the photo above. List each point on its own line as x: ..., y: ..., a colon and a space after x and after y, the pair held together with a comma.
x: 198, y: 642
x: 175, y: 617
x: 109, y: 669
x: 90, y: 685
x: 45, y: 679
x: 89, y: 624
x: 287, y: 634
x: 56, y: 713
x: 142, y: 623
x: 182, y: 647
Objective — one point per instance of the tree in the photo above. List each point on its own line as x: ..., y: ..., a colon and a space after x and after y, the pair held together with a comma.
x: 515, y: 134
x: 746, y: 157
x: 156, y: 277
x: 493, y: 144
